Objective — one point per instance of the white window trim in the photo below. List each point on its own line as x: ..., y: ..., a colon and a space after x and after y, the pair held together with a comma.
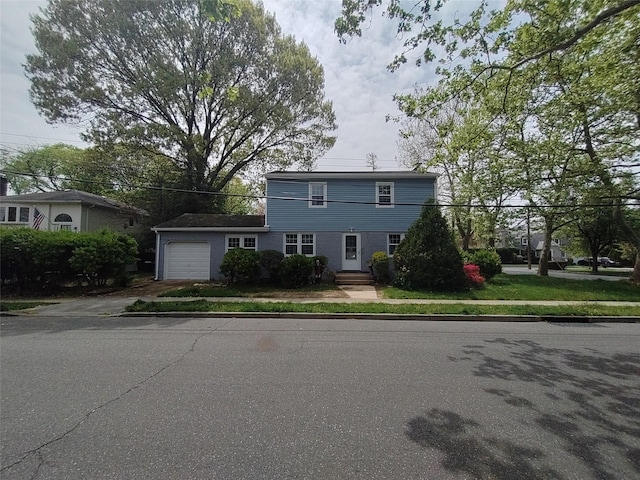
x: 324, y: 194
x: 298, y: 243
x: 241, y: 237
x: 391, y: 194
x: 19, y: 211
x: 396, y: 244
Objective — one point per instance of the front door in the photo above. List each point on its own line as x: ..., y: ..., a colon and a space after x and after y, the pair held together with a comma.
x: 351, y: 252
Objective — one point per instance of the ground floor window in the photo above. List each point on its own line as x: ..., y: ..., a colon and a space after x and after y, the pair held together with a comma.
x: 393, y: 240
x: 247, y: 242
x: 14, y: 214
x: 302, y: 243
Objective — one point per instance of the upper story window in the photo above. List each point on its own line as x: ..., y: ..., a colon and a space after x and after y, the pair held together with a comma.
x: 384, y: 194
x: 14, y: 214
x: 248, y: 242
x: 317, y: 195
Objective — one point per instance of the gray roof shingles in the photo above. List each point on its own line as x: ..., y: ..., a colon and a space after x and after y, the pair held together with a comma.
x: 210, y: 220
x: 73, y: 196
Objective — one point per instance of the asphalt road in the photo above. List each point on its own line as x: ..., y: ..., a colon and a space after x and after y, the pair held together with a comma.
x: 141, y: 398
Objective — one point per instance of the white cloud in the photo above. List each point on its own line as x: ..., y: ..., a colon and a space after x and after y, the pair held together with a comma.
x: 356, y: 80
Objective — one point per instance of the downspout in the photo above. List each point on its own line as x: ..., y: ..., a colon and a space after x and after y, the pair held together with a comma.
x: 157, y: 255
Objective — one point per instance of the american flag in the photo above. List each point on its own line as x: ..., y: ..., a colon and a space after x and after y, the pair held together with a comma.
x: 38, y: 217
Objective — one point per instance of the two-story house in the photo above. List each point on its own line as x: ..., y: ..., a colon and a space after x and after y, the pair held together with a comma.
x: 345, y: 216
x: 72, y: 210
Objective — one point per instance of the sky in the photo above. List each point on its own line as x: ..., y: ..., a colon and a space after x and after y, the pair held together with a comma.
x: 356, y: 81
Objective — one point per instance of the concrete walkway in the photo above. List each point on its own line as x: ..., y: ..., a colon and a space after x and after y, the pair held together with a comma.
x: 111, y: 306
x: 360, y: 292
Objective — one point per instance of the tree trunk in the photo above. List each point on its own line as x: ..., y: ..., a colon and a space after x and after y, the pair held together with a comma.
x: 543, y: 266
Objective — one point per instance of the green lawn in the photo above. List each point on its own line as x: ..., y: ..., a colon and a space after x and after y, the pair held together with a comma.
x: 502, y: 287
x: 203, y: 305
x: 534, y: 287
x: 20, y: 305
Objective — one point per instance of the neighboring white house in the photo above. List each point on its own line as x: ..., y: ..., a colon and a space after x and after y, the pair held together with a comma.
x: 71, y: 210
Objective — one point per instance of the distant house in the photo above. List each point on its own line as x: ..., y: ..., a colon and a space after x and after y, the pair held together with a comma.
x: 520, y: 241
x: 344, y: 216
x: 71, y: 210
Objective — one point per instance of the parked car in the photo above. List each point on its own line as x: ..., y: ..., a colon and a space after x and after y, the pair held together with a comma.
x: 602, y: 261
x: 607, y: 262
x: 585, y: 262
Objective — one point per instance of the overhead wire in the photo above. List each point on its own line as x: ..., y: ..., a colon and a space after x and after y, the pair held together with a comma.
x: 306, y: 198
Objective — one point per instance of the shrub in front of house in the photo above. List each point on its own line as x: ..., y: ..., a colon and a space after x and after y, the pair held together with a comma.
x: 240, y: 266
x: 380, y: 264
x: 104, y: 255
x: 270, y: 261
x: 296, y: 271
x: 34, y: 258
x: 472, y: 272
x: 488, y: 260
x: 428, y: 258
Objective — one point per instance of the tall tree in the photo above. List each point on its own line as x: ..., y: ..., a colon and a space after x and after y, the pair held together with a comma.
x: 578, y: 102
x: 214, y: 97
x: 416, y: 23
x: 43, y: 169
x: 467, y: 148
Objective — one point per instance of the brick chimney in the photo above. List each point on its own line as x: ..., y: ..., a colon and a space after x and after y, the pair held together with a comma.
x: 3, y: 186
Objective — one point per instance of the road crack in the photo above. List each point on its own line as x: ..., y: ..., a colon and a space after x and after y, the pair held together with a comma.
x: 38, y: 450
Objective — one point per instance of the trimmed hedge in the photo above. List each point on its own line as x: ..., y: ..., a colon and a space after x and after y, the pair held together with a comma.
x: 241, y: 266
x: 32, y: 258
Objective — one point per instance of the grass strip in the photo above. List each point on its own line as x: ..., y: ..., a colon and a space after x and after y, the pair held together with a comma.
x: 11, y: 306
x: 381, y: 308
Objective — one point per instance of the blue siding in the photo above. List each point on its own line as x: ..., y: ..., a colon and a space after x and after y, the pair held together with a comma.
x: 351, y: 204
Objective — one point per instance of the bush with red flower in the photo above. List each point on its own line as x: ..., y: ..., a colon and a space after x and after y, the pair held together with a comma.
x: 472, y: 272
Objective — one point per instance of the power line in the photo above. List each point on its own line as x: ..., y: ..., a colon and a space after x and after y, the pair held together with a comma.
x: 572, y: 206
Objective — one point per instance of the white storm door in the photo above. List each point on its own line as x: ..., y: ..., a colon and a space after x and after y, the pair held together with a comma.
x: 351, y: 252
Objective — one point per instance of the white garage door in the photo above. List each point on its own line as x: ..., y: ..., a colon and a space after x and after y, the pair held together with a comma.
x: 187, y: 261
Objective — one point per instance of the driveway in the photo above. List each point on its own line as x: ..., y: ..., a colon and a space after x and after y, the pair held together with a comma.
x: 523, y: 270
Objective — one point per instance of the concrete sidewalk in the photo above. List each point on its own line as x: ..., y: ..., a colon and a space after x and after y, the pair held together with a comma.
x: 115, y: 306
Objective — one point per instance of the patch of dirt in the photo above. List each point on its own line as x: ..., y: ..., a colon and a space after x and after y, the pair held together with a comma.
x: 148, y: 287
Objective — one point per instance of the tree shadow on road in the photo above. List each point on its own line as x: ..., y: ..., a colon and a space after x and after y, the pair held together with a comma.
x: 595, y: 419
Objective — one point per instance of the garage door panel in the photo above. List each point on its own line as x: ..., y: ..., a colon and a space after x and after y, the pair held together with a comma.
x: 187, y: 261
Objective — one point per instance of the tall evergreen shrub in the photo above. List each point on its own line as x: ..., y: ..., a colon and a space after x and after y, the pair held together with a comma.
x: 428, y: 258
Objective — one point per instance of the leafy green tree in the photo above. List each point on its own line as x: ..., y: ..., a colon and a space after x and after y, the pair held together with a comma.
x: 416, y: 24
x: 476, y: 170
x: 598, y: 228
x: 427, y: 258
x: 43, y: 169
x: 565, y: 85
x: 215, y: 98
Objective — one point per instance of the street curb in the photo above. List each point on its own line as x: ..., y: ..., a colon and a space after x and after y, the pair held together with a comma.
x: 391, y: 317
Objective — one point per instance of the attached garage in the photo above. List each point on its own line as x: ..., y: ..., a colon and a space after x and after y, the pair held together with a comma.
x: 192, y: 246
x: 187, y: 261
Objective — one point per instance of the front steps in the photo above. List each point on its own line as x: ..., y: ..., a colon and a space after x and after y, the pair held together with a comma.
x: 353, y: 278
